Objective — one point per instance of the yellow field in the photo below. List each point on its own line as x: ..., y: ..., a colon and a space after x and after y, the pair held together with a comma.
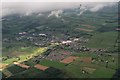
x: 26, y: 57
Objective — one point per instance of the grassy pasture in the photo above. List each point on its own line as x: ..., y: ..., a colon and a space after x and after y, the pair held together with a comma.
x: 104, y: 40
x: 9, y: 61
x: 104, y: 73
x: 54, y: 64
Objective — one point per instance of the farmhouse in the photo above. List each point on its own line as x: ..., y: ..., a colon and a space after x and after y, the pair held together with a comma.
x: 76, y: 39
x: 22, y: 33
x: 42, y: 34
x: 66, y: 42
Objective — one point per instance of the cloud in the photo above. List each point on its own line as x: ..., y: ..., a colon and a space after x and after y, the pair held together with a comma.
x: 59, y: 0
x: 31, y: 7
x: 82, y: 10
x: 100, y: 6
x: 93, y: 7
x: 27, y: 8
x: 56, y: 13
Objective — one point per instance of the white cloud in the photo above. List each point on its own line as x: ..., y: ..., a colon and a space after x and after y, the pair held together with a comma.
x: 31, y: 7
x: 27, y: 8
x: 56, y: 13
x: 100, y: 6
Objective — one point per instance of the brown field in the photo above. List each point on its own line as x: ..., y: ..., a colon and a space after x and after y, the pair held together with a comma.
x: 88, y: 26
x: 69, y: 59
x: 82, y: 29
x: 86, y: 59
x: 41, y: 67
x: 22, y: 65
x: 2, y: 66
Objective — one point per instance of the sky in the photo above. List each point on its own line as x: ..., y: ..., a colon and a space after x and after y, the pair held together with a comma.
x: 27, y: 7
x: 59, y: 0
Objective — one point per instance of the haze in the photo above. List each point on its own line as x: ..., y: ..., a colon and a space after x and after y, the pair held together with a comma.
x: 24, y: 8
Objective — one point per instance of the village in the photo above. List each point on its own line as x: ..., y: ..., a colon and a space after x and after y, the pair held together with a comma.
x: 64, y: 51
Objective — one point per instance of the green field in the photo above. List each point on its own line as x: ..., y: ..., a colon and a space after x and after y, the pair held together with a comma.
x: 74, y: 70
x: 25, y: 57
x: 29, y: 73
x: 104, y: 73
x: 105, y: 40
x: 15, y: 69
x: 55, y: 64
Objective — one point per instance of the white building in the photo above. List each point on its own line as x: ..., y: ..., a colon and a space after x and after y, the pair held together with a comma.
x: 66, y: 42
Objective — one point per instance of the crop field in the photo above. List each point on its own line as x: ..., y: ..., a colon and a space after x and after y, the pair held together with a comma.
x: 29, y: 62
x: 78, y: 67
x: 9, y: 61
x: 15, y: 69
x: 30, y: 73
x: 75, y: 69
x: 7, y: 73
x: 106, y: 72
x: 55, y: 64
x: 25, y: 57
x: 104, y: 40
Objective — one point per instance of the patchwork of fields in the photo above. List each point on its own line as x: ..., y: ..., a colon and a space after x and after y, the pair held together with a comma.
x: 65, y: 45
x: 89, y: 69
x: 86, y: 64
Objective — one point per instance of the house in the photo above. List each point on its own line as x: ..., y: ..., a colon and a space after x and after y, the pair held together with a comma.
x: 66, y: 42
x: 76, y: 39
x: 22, y: 33
x: 42, y: 34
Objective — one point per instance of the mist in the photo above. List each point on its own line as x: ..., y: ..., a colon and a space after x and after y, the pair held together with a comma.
x: 27, y: 8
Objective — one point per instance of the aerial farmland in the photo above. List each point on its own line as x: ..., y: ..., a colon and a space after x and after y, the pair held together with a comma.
x: 70, y: 42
